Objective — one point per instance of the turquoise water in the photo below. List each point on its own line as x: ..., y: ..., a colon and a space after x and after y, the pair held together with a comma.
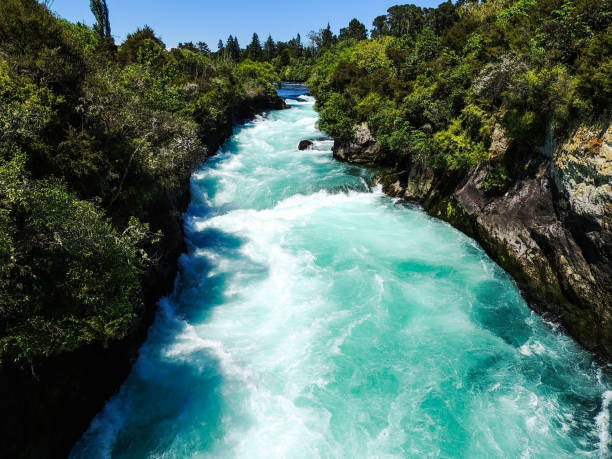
x: 316, y: 317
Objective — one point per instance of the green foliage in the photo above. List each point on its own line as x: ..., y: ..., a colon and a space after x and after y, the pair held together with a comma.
x: 27, y: 109
x: 298, y: 69
x: 92, y: 138
x: 259, y: 74
x: 497, y: 179
x: 426, y: 47
x: 455, y: 150
x: 405, y: 20
x: 336, y: 118
x: 254, y: 50
x: 68, y: 277
x: 100, y: 11
x: 85, y: 38
x: 595, y: 71
x: 370, y: 56
x: 130, y: 50
x: 355, y: 31
x: 232, y: 49
x: 516, y: 11
x: 406, y: 143
x: 36, y: 44
x: 328, y: 39
x: 433, y: 83
x: 371, y: 104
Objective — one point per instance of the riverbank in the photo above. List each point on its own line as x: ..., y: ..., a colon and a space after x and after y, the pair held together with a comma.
x: 51, y: 402
x: 550, y: 229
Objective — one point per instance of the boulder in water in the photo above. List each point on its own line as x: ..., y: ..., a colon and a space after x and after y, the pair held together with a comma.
x: 305, y: 145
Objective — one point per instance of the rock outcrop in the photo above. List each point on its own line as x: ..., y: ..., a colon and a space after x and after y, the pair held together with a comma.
x: 305, y: 145
x: 362, y: 149
x: 551, y: 229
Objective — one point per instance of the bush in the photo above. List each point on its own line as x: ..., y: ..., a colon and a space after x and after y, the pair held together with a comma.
x: 497, y: 180
x: 73, y: 278
x: 371, y: 55
x: 336, y: 118
x: 258, y: 73
x: 455, y: 150
x: 595, y: 71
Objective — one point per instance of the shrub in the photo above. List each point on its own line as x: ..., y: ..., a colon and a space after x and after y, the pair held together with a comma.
x: 337, y: 118
x: 455, y: 150
x: 370, y: 56
x: 73, y: 278
x: 497, y: 180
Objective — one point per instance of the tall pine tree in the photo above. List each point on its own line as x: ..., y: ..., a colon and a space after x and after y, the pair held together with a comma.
x: 100, y: 11
x: 254, y: 51
x: 327, y: 38
x: 269, y: 48
x: 232, y: 49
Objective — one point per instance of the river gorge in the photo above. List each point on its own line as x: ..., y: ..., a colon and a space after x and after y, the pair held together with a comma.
x: 315, y: 316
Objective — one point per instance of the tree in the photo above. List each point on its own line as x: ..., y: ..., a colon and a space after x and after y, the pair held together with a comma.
x: 443, y: 17
x: 100, y: 12
x: 189, y: 45
x: 381, y: 26
x: 295, y: 46
x: 298, y: 43
x: 128, y: 51
x: 220, y: 48
x: 38, y: 45
x: 405, y: 20
x: 269, y: 49
x: 315, y: 39
x: 355, y: 31
x: 203, y: 48
x: 199, y: 48
x: 327, y: 38
x: 254, y: 51
x: 232, y: 49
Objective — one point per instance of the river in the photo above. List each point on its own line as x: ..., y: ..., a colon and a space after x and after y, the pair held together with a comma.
x: 316, y: 317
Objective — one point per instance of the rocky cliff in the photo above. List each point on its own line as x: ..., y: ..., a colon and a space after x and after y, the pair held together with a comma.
x: 551, y: 228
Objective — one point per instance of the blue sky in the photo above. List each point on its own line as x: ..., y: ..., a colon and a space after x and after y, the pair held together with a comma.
x: 192, y: 20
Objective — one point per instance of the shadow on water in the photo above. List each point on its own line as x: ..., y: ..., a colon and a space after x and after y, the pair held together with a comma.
x: 202, y: 287
x: 178, y: 409
x: 159, y: 407
x: 175, y: 359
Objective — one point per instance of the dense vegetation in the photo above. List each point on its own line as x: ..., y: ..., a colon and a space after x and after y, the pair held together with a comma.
x: 435, y: 86
x: 91, y: 136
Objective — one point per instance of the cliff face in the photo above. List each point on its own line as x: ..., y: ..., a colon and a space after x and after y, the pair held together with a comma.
x: 551, y: 229
x: 46, y: 407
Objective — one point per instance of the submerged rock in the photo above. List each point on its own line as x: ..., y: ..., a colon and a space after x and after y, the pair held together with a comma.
x: 305, y: 145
